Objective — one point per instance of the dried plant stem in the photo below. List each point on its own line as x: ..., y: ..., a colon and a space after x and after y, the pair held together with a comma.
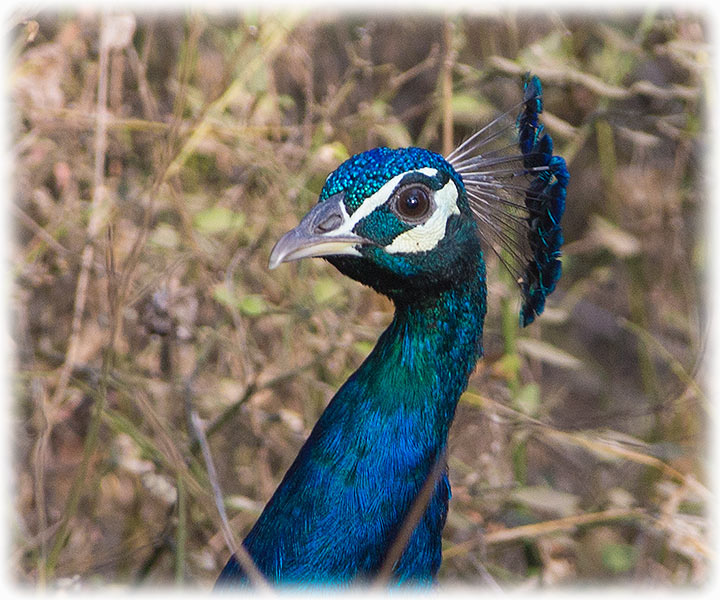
x: 94, y: 223
x: 169, y: 153
x: 39, y: 454
x: 38, y: 230
x: 594, y: 442
x: 86, y: 260
x: 117, y: 292
x: 675, y: 366
x: 535, y: 530
x: 594, y: 84
x: 181, y: 536
x: 446, y: 86
x: 242, y: 555
x: 254, y: 386
x: 81, y: 475
x: 427, y: 63
x: 416, y: 512
x: 274, y: 38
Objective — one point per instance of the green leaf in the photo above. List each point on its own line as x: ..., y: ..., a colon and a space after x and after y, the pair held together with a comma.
x: 363, y: 348
x: 527, y: 400
x: 394, y: 134
x: 222, y: 294
x: 336, y: 150
x: 508, y: 365
x: 326, y: 290
x: 165, y: 236
x: 470, y: 109
x: 618, y: 558
x: 252, y: 305
x: 218, y: 219
x: 379, y: 108
x: 285, y: 101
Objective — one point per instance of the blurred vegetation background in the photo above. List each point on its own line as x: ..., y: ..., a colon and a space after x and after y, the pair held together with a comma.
x: 158, y: 158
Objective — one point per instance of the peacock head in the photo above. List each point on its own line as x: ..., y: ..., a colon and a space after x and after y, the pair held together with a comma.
x: 397, y: 220
x: 409, y: 221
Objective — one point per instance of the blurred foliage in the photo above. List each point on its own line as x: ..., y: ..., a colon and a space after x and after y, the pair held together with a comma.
x: 158, y: 158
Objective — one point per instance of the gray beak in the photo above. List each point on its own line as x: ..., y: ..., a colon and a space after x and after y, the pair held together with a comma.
x: 324, y: 231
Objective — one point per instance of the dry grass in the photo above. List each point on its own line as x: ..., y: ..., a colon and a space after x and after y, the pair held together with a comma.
x: 158, y: 158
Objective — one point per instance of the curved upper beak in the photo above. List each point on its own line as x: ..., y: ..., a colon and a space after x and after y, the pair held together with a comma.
x: 324, y: 231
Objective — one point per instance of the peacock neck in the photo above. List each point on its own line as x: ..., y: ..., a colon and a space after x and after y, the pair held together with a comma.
x: 344, y: 499
x: 427, y: 354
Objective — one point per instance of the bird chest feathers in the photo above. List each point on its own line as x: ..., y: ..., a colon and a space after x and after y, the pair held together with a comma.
x: 411, y: 224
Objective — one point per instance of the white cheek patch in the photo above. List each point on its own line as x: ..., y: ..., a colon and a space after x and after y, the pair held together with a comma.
x: 426, y: 236
x: 378, y: 199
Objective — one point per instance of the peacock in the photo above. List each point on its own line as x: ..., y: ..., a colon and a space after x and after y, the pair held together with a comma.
x: 413, y: 225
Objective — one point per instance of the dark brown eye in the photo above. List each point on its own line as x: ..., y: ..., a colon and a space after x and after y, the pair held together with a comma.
x: 413, y: 202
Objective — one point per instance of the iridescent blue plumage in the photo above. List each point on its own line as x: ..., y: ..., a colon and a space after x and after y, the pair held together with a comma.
x: 545, y: 201
x: 364, y: 174
x: 406, y: 222
x: 342, y: 502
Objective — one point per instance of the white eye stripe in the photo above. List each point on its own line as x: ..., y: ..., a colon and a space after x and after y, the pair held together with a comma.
x: 379, y: 198
x: 426, y: 236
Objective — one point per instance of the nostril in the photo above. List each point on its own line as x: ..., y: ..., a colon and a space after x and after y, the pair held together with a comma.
x: 332, y: 222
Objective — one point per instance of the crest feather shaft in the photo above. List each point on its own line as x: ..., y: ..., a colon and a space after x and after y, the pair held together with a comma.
x: 518, y: 199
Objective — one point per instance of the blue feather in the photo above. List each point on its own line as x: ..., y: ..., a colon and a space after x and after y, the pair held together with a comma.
x: 545, y: 201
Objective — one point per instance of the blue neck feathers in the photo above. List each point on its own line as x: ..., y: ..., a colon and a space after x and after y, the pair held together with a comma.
x: 344, y: 499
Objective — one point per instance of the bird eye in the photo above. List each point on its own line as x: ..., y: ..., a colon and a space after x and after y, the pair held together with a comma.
x: 413, y: 203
